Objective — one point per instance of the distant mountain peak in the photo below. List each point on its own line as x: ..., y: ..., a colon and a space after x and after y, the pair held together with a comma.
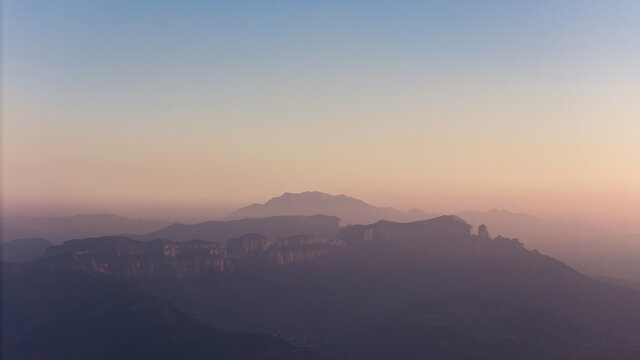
x: 313, y: 195
x: 350, y: 210
x: 506, y: 212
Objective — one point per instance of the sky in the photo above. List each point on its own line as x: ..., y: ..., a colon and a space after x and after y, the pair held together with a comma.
x: 188, y: 109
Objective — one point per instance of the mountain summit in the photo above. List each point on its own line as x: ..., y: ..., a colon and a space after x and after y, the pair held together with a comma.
x: 350, y: 210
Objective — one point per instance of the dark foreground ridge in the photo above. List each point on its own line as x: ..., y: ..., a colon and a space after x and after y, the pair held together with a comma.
x: 72, y: 315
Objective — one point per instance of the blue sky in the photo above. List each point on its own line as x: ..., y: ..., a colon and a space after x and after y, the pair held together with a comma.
x: 69, y: 51
x: 532, y: 97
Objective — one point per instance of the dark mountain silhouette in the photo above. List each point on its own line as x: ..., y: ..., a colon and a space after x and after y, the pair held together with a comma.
x: 20, y: 250
x: 72, y: 315
x: 350, y: 210
x: 427, y: 289
x: 272, y: 227
x: 59, y: 228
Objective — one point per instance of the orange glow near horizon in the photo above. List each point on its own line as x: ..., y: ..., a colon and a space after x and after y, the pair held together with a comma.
x: 504, y: 113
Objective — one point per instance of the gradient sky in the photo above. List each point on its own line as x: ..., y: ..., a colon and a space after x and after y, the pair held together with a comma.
x: 186, y: 109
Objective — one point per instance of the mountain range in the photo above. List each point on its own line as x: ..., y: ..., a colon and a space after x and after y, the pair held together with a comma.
x: 60, y: 228
x: 586, y: 248
x: 350, y: 210
x: 272, y: 227
x: 425, y: 289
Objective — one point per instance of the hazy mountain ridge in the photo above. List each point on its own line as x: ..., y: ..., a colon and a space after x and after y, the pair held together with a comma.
x: 535, y: 229
x: 60, y: 228
x: 21, y: 250
x: 350, y: 210
x: 587, y: 248
x: 124, y: 257
x: 424, y: 289
x: 271, y: 227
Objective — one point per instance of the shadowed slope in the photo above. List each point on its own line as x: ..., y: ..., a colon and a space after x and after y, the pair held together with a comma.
x: 20, y: 250
x: 71, y: 315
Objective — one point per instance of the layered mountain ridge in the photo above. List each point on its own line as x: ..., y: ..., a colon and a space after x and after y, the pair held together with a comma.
x: 122, y: 256
x: 271, y: 227
x: 60, y: 228
x: 425, y: 289
x: 584, y: 247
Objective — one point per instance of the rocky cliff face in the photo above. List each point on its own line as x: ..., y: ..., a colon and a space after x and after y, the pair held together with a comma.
x: 301, y: 248
x: 123, y: 257
x: 120, y: 256
x: 247, y: 245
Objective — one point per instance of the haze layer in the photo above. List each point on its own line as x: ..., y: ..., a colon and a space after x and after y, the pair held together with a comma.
x: 144, y: 110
